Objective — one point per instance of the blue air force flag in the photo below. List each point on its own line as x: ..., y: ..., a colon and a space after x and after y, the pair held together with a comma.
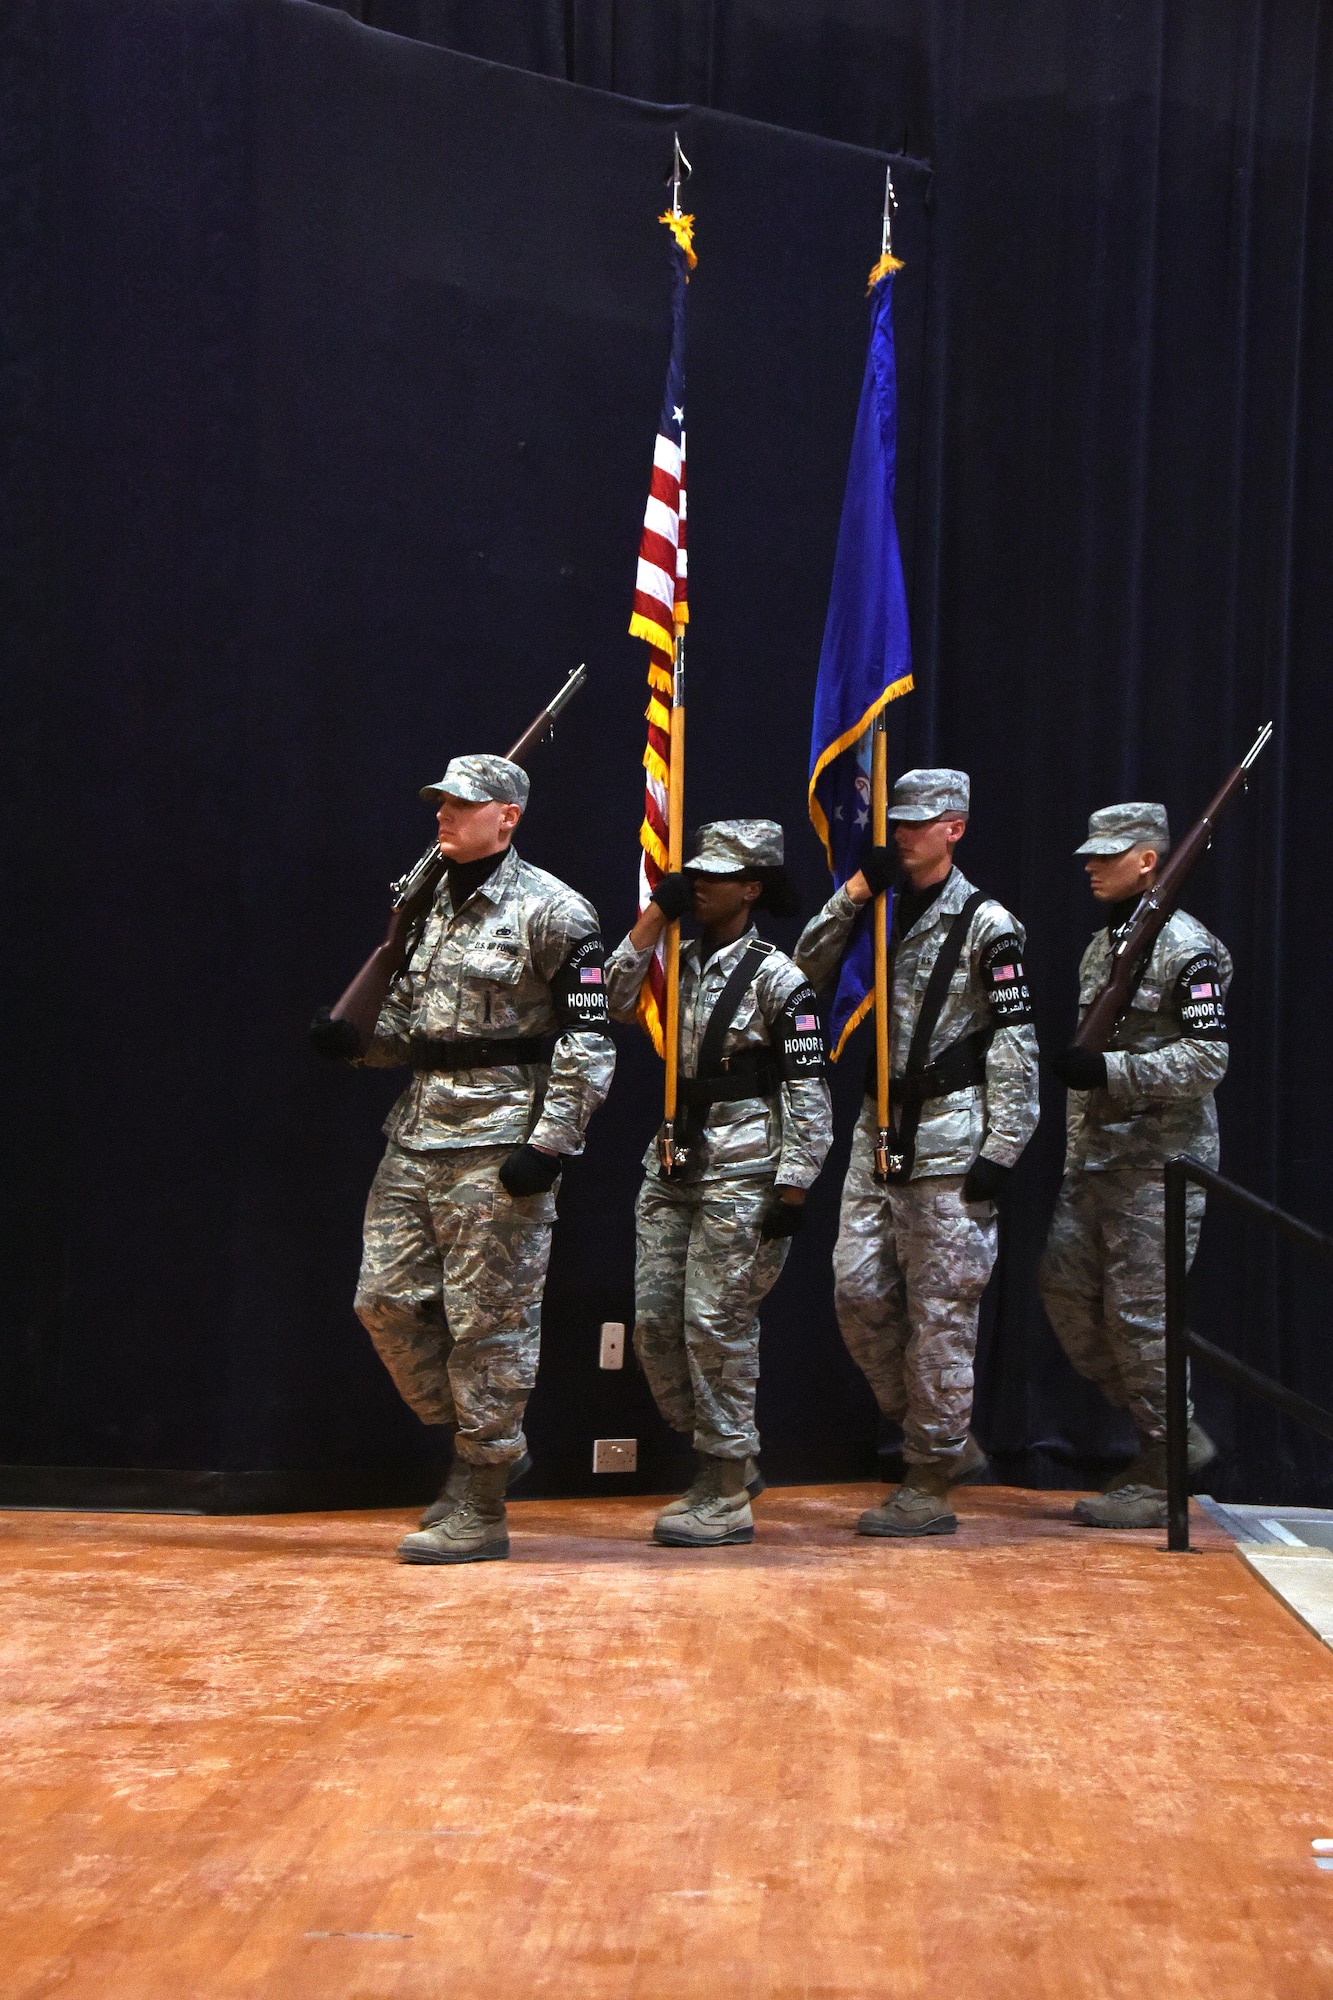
x: 866, y: 658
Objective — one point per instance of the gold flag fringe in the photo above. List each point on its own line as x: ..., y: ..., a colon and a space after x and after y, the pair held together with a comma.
x: 886, y: 264
x: 682, y: 228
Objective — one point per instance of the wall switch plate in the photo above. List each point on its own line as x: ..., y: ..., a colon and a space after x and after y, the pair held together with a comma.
x: 612, y: 1353
x: 615, y: 1455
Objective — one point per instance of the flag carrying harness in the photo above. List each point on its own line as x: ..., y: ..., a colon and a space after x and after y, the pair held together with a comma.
x: 958, y: 1066
x: 720, y: 1079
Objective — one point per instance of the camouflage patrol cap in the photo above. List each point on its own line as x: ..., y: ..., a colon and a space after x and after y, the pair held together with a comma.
x: 922, y: 795
x: 480, y: 779
x: 735, y: 846
x: 1115, y: 829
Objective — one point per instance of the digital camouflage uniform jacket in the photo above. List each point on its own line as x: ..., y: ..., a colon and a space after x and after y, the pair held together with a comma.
x: 522, y: 957
x: 787, y: 1135
x: 988, y: 989
x: 1165, y: 1059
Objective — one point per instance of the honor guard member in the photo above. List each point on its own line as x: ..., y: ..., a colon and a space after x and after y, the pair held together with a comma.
x: 756, y: 1124
x: 501, y: 1015
x: 914, y: 1253
x: 1150, y: 1097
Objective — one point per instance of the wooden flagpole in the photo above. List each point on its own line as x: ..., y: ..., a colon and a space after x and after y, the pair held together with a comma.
x: 670, y: 1154
x: 879, y: 810
x: 675, y: 854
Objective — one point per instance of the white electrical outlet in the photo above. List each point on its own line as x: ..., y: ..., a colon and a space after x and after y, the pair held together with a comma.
x: 612, y: 1353
x: 615, y: 1455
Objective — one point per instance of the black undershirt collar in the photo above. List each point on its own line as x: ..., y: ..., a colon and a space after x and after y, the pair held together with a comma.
x: 465, y: 876
x: 913, y: 903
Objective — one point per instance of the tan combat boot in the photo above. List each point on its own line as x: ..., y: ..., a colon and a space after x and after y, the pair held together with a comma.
x: 919, y: 1507
x: 970, y: 1463
x: 1140, y: 1504
x: 452, y: 1487
x: 1200, y: 1453
x: 473, y: 1530
x: 755, y: 1484
x: 720, y: 1514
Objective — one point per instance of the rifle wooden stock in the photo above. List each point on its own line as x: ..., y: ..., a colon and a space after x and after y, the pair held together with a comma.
x: 413, y: 894
x: 1098, y: 1024
x: 361, y: 1002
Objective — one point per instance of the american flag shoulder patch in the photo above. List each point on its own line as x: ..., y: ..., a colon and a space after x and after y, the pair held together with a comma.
x: 807, y: 1023
x: 1005, y: 980
x: 590, y: 975
x: 1199, y: 999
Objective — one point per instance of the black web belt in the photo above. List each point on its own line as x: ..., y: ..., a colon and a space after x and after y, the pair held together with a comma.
x: 425, y: 1052
x: 746, y: 1074
x: 958, y: 1067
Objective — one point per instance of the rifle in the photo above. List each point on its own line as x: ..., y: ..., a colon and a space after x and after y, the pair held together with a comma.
x: 412, y: 895
x: 1131, y: 954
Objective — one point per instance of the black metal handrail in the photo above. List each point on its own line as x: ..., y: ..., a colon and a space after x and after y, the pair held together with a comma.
x: 1181, y: 1343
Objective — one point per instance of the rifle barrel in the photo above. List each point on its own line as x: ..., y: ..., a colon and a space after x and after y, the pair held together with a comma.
x: 1248, y: 760
x: 571, y: 688
x: 537, y: 731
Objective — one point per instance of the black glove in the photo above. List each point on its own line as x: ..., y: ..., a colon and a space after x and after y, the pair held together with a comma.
x: 780, y: 1218
x: 879, y: 865
x: 338, y: 1040
x: 527, y: 1171
x: 985, y: 1180
x: 672, y: 896
x: 1080, y: 1069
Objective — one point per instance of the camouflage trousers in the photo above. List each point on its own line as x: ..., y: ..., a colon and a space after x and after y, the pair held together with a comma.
x: 701, y: 1272
x: 450, y: 1291
x: 1103, y: 1283
x: 910, y: 1264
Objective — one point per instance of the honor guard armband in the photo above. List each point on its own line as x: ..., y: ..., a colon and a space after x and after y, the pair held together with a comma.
x: 578, y: 990
x: 798, y: 1037
x: 1006, y: 982
x: 1199, y: 999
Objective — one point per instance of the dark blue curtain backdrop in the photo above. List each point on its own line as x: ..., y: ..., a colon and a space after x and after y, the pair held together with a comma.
x: 332, y: 360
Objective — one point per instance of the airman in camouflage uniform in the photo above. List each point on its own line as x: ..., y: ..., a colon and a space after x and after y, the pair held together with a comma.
x: 1149, y: 1098
x: 458, y: 1224
x: 713, y: 1237
x: 914, y: 1254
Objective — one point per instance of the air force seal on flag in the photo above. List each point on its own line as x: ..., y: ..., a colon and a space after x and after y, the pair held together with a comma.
x: 866, y: 658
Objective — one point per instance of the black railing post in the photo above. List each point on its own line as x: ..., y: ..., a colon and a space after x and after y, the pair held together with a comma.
x: 1177, y: 1362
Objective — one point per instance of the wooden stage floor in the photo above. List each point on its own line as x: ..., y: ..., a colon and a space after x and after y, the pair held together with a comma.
x: 258, y: 1757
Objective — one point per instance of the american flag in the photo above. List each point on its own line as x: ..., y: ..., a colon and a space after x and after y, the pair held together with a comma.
x: 661, y: 609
